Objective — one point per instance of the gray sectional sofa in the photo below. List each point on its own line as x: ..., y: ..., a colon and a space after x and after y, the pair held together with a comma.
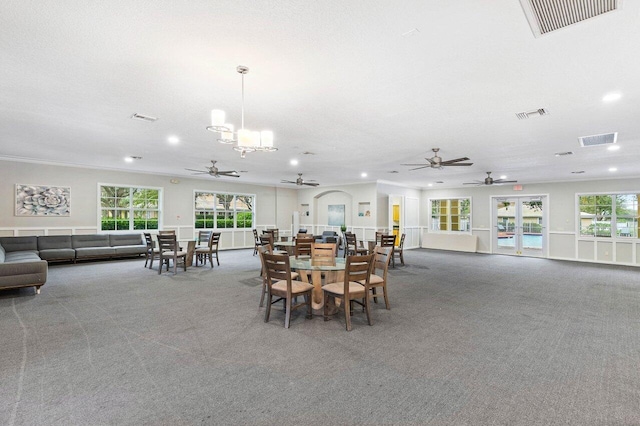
x: 23, y: 260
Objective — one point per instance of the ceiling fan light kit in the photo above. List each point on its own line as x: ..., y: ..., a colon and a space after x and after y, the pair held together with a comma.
x: 247, y: 140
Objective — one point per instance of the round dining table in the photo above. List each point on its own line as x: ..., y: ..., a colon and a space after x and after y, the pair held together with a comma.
x: 331, y: 267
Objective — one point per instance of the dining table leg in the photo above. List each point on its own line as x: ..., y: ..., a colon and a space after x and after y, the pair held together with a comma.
x: 317, y: 298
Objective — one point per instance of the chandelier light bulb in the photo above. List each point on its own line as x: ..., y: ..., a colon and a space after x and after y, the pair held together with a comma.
x: 227, y: 137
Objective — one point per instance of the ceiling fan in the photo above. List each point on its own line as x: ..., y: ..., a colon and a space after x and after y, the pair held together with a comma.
x: 213, y: 171
x: 489, y: 181
x: 300, y: 181
x: 436, y: 162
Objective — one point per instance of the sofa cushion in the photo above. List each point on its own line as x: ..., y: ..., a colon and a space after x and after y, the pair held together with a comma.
x: 127, y: 250
x: 21, y: 256
x: 95, y: 240
x: 16, y: 274
x: 126, y: 240
x: 19, y: 243
x: 54, y: 242
x: 58, y: 254
x: 85, y: 252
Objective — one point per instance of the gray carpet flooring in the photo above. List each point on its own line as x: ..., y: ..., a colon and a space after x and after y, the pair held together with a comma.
x: 470, y: 340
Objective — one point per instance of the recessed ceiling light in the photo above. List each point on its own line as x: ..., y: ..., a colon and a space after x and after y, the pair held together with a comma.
x: 173, y: 140
x: 611, y: 97
x: 128, y: 159
x: 613, y: 147
x: 613, y: 169
x: 430, y: 184
x: 503, y: 176
x: 363, y: 174
x: 293, y: 162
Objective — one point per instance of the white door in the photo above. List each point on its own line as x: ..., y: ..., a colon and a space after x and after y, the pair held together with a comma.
x: 519, y: 226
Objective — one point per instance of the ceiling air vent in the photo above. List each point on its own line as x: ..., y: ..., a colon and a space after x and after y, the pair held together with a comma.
x: 595, y: 140
x: 545, y: 16
x: 525, y: 115
x: 141, y: 117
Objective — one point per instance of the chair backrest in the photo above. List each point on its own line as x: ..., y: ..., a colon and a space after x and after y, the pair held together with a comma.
x: 322, y: 250
x: 378, y: 237
x: 388, y: 240
x: 350, y: 240
x: 215, y: 239
x: 171, y: 232
x: 167, y: 242
x: 358, y: 268
x: 273, y: 232
x: 278, y: 269
x: 149, y: 240
x: 204, y: 237
x: 265, y: 248
x: 255, y: 236
x: 266, y: 239
x: 381, y: 260
x: 401, y: 245
x: 303, y: 246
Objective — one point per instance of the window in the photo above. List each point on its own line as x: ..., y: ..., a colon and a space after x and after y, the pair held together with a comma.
x: 451, y: 215
x: 222, y: 211
x: 124, y: 208
x: 608, y: 215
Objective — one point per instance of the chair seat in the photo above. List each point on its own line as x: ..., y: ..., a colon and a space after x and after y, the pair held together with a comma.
x: 374, y: 279
x: 170, y: 253
x: 338, y: 288
x: 202, y: 249
x: 296, y: 286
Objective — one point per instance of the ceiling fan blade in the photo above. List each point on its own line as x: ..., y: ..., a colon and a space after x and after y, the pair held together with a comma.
x: 421, y: 164
x: 224, y: 172
x: 229, y: 175
x: 457, y: 164
x: 456, y: 160
x: 504, y: 181
x: 423, y: 167
x: 288, y: 181
x: 478, y: 182
x: 310, y: 184
x: 199, y: 171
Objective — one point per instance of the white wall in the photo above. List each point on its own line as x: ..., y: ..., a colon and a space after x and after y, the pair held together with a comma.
x: 564, y: 240
x: 178, y: 211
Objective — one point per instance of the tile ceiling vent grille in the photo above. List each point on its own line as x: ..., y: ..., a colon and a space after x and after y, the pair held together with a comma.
x: 545, y: 16
x: 595, y: 140
x: 142, y: 117
x: 525, y: 115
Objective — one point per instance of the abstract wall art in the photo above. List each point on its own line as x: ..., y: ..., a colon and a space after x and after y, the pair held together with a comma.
x: 40, y: 200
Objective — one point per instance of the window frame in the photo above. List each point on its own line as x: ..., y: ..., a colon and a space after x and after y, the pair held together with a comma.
x: 449, y: 216
x: 613, y: 216
x: 131, y: 209
x: 215, y: 212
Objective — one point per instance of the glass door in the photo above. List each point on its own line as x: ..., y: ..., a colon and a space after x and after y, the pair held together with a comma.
x: 519, y: 226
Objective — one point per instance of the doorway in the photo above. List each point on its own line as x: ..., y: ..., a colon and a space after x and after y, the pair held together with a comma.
x: 519, y: 225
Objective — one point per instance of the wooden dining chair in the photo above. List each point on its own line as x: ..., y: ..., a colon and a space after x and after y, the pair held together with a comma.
x: 351, y: 245
x: 206, y: 252
x: 378, y: 277
x: 389, y: 241
x: 280, y: 284
x: 263, y: 272
x: 328, y: 250
x: 399, y: 250
x: 169, y: 232
x: 168, y: 250
x: 256, y: 240
x: 303, y: 246
x: 354, y: 288
x: 267, y: 238
x: 152, y: 252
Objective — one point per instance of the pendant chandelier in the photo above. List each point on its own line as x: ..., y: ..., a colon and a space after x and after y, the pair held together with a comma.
x: 246, y: 140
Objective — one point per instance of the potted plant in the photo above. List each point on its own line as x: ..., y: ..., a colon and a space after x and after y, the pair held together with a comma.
x: 343, y: 228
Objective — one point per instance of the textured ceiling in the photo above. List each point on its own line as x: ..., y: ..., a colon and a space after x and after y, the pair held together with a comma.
x: 365, y: 86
